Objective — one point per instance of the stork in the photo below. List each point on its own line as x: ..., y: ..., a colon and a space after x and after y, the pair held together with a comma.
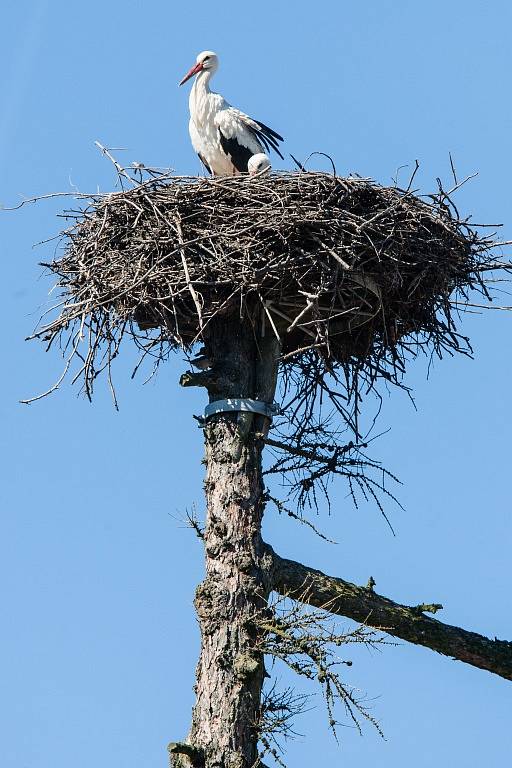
x: 224, y: 138
x: 259, y: 165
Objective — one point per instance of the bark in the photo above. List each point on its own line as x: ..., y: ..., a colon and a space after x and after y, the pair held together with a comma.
x: 229, y: 675
x: 406, y: 622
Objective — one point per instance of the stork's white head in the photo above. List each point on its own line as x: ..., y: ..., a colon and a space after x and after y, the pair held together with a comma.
x: 259, y: 164
x: 206, y: 61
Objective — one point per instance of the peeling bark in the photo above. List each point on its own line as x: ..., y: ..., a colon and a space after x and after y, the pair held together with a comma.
x: 229, y: 675
x: 406, y: 622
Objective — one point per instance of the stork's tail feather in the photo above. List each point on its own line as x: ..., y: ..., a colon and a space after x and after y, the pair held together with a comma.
x: 268, y: 131
x: 269, y: 138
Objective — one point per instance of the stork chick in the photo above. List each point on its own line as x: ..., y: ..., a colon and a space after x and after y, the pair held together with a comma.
x: 224, y: 138
x: 259, y: 165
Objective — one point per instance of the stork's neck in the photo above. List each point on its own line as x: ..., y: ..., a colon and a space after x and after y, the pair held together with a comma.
x: 202, y: 81
x: 199, y: 93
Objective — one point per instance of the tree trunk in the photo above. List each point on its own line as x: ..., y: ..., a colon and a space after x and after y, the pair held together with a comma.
x: 230, y: 674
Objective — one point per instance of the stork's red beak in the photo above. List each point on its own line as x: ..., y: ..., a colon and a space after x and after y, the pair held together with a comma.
x: 195, y: 69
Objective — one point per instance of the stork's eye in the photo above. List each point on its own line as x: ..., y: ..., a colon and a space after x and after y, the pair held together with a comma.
x: 206, y: 58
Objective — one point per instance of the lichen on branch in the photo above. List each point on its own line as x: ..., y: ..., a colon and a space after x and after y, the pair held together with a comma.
x: 310, y: 642
x: 363, y: 604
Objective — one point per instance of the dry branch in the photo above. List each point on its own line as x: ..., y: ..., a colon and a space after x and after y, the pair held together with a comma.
x: 309, y: 642
x: 363, y: 604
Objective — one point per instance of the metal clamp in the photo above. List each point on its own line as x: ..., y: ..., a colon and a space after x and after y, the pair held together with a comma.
x: 242, y: 404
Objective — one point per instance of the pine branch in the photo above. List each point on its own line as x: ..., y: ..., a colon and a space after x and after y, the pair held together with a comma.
x: 406, y: 622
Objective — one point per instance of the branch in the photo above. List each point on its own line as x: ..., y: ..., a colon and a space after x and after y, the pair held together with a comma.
x: 406, y: 622
x: 313, y: 454
x: 195, y: 756
x: 120, y: 170
x: 207, y: 379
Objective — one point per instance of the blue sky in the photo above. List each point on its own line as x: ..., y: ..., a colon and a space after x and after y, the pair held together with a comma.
x: 99, y: 639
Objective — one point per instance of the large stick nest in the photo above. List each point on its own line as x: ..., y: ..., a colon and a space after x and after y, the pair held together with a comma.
x: 357, y: 273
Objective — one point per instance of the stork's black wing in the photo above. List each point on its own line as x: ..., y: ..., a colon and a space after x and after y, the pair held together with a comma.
x: 267, y: 136
x: 239, y: 154
x: 232, y: 124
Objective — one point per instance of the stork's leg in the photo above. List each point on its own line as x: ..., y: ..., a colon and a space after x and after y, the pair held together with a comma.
x: 205, y: 164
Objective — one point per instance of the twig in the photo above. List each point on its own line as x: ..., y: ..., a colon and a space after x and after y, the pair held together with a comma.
x: 187, y: 275
x: 120, y: 170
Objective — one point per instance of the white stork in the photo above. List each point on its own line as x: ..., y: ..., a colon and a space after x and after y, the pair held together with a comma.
x: 259, y: 165
x: 223, y: 137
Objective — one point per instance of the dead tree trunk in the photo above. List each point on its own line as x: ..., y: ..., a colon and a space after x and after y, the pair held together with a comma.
x: 230, y: 674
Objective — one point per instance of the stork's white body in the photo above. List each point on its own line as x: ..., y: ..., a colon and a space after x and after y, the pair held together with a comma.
x: 210, y: 111
x: 223, y: 137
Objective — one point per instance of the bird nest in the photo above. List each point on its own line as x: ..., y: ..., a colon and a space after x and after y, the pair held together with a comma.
x: 342, y: 268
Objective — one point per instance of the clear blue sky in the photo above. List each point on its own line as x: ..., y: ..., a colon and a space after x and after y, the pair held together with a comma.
x: 99, y: 639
